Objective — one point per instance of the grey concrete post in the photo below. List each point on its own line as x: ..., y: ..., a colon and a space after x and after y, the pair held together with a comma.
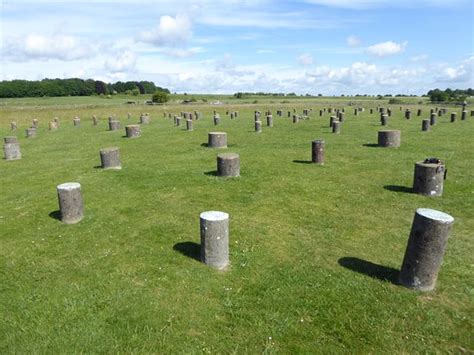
x: 217, y: 140
x: 453, y: 116
x: 258, y: 126
x: 76, y: 121
x: 214, y: 226
x: 429, y: 177
x: 114, y: 125
x: 13, y: 125
x: 389, y: 138
x: 463, y: 115
x: 384, y: 119
x: 228, y: 165
x: 425, y: 125
x: 433, y: 118
x: 11, y: 151
x: 70, y: 202
x: 425, y: 249
x: 317, y: 151
x: 110, y: 158
x: 132, y: 131
x: 189, y: 125
x: 336, y: 127
x: 53, y: 125
x: 31, y: 132
x: 269, y: 121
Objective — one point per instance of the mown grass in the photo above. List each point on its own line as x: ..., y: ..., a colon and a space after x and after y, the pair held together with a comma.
x: 314, y: 249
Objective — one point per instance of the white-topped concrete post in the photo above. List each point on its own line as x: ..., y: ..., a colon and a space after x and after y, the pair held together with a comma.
x: 70, y: 202
x: 425, y: 250
x: 215, y: 239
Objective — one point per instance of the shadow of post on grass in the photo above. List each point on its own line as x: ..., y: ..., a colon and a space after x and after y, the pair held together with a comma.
x: 399, y: 188
x: 55, y: 215
x: 370, y: 269
x: 190, y: 249
x: 298, y: 161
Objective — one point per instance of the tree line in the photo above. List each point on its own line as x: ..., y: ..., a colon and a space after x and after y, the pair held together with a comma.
x: 447, y: 95
x: 74, y: 87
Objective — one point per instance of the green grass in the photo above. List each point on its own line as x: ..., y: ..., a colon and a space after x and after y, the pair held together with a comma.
x: 116, y: 282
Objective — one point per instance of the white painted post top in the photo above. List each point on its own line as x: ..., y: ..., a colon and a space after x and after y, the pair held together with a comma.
x: 435, y: 215
x: 214, y: 216
x: 69, y: 186
x: 217, y: 133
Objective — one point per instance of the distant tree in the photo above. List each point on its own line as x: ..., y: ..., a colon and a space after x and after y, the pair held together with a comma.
x: 159, y: 97
x: 101, y: 88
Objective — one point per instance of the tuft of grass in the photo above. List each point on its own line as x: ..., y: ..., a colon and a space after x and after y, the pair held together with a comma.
x: 315, y: 250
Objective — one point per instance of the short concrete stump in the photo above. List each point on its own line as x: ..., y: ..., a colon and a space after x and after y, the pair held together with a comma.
x: 76, y: 121
x: 144, y: 119
x: 35, y: 123
x: 11, y: 151
x: 425, y: 125
x: 384, y: 119
x: 13, y: 126
x: 132, y: 131
x: 10, y: 139
x: 177, y: 121
x: 429, y: 177
x: 269, y: 121
x: 189, y: 125
x: 425, y: 249
x: 110, y: 158
x: 70, y: 202
x: 317, y: 152
x: 214, y: 226
x: 114, y: 125
x: 296, y: 118
x: 95, y: 120
x: 31, y: 132
x: 389, y: 138
x: 217, y: 119
x: 332, y: 119
x: 336, y: 127
x: 408, y: 114
x: 53, y: 125
x: 463, y: 115
x: 228, y: 165
x: 433, y: 119
x: 217, y: 140
x: 258, y: 126
x: 453, y: 117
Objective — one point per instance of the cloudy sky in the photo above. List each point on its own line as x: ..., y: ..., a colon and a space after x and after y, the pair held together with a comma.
x: 207, y: 46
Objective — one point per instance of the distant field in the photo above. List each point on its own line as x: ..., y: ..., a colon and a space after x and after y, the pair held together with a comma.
x: 177, y: 99
x: 126, y: 279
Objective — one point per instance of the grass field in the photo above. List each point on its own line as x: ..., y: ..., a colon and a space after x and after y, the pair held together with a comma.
x: 315, y: 250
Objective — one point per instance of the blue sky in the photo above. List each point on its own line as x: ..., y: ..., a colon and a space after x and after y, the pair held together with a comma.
x: 331, y: 47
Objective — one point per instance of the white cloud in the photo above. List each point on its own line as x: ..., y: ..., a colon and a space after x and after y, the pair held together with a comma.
x: 170, y: 31
x: 305, y: 59
x: 353, y: 41
x: 419, y: 58
x: 386, y: 48
x: 57, y: 46
x: 124, y: 60
x: 462, y: 72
